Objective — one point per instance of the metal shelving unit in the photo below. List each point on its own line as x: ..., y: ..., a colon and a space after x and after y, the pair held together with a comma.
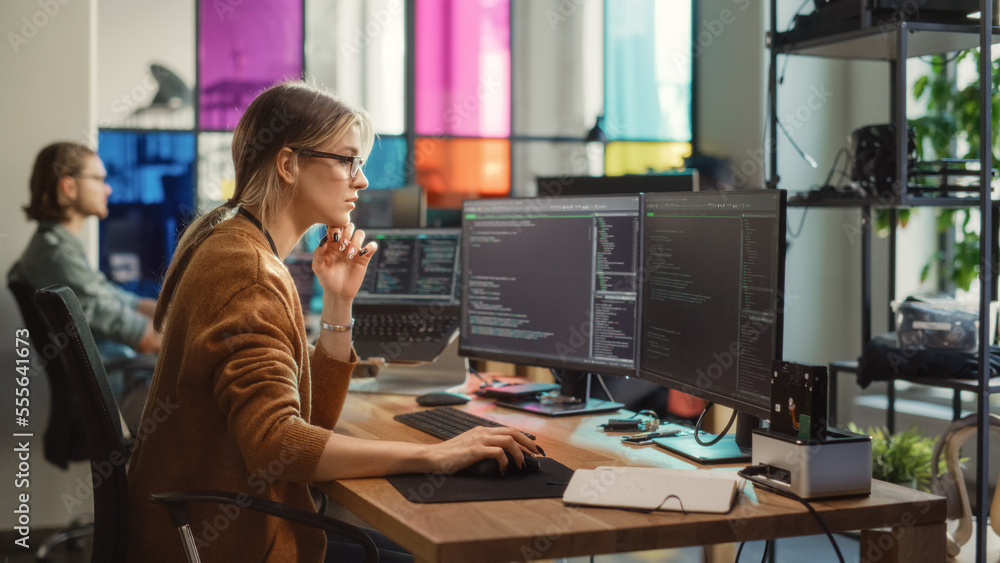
x: 894, y: 42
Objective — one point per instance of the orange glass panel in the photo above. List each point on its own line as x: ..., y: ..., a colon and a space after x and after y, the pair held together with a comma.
x: 451, y: 170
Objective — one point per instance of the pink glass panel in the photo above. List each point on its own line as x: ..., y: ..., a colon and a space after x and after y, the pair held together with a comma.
x: 244, y: 47
x: 463, y: 68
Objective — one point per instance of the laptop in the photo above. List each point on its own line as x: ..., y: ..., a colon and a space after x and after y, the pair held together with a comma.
x: 407, y: 310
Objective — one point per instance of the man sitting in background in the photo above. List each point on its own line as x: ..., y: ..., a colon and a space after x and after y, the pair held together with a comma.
x: 68, y: 186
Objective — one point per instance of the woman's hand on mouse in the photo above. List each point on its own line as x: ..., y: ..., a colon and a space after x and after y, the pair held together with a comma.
x: 480, y: 443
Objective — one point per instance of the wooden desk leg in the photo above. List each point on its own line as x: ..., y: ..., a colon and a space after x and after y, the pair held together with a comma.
x: 720, y: 552
x: 914, y: 544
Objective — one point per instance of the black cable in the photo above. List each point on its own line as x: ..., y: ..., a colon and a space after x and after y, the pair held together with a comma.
x: 833, y: 168
x: 791, y: 22
x: 802, y: 223
x: 767, y: 548
x: 942, y: 62
x: 697, y: 427
x: 767, y: 111
x: 809, y: 160
x: 796, y: 14
x: 476, y: 373
x: 786, y: 493
x: 739, y: 551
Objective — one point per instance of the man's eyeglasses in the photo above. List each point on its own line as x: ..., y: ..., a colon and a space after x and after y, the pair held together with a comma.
x: 101, y: 179
x: 356, y: 161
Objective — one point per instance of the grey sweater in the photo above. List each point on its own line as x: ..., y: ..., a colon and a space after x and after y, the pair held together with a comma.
x: 56, y: 256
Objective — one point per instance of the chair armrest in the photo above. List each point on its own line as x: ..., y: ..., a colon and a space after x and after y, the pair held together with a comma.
x: 176, y: 504
x: 141, y: 362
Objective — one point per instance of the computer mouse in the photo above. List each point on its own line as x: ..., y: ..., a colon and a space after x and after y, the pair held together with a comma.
x: 490, y: 467
x: 441, y: 399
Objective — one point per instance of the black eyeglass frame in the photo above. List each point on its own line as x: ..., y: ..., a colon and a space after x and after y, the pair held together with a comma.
x: 101, y: 179
x: 356, y: 161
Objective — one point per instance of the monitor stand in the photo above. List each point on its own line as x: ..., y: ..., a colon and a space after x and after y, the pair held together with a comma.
x: 732, y: 448
x: 446, y: 371
x: 571, y: 401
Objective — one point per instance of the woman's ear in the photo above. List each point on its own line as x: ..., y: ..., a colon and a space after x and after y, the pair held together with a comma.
x: 286, y: 164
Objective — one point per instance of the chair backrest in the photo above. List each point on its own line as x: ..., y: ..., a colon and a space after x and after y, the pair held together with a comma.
x: 65, y: 440
x: 101, y: 421
x: 952, y: 485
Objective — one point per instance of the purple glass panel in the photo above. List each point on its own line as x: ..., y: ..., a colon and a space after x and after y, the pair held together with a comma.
x: 244, y: 47
x: 463, y: 67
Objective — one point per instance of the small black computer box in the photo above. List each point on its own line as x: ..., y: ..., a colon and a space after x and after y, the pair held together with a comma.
x: 517, y: 392
x: 798, y: 400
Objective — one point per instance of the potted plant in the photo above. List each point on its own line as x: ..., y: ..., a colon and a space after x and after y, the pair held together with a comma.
x: 903, y: 458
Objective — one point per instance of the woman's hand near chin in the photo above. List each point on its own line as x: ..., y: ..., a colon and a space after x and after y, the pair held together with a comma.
x: 340, y: 262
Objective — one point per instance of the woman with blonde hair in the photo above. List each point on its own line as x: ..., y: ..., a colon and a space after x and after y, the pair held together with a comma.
x: 241, y: 401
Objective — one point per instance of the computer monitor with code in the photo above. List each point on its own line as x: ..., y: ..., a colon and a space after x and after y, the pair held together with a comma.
x: 552, y: 282
x: 712, y: 299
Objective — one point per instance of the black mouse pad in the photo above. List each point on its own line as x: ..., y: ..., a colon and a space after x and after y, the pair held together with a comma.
x: 548, y: 482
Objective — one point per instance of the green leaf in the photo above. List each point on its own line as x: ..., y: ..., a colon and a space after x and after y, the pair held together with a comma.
x: 944, y: 220
x: 920, y: 85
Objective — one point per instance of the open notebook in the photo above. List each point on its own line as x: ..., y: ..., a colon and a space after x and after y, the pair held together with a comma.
x: 654, y: 488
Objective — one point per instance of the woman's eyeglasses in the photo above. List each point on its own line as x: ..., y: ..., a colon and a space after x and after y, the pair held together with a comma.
x: 356, y: 161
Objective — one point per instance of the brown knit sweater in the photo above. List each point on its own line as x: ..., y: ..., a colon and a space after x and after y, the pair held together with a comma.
x: 240, y: 402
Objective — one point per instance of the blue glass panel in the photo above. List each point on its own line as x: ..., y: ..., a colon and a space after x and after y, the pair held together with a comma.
x: 152, y: 181
x: 386, y: 165
x: 647, y: 70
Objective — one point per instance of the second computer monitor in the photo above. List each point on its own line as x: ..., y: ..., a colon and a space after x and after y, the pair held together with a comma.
x: 712, y: 290
x: 551, y: 282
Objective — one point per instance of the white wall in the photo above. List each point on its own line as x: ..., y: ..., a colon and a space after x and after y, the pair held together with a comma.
x: 125, y: 51
x: 820, y: 102
x: 823, y: 268
x: 48, y: 95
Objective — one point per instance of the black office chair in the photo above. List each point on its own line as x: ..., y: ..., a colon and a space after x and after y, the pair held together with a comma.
x: 107, y: 442
x: 64, y: 439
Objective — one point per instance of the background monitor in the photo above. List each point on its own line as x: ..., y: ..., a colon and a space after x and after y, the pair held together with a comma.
x: 712, y: 288
x: 412, y: 266
x: 678, y: 181
x: 403, y: 207
x: 552, y: 282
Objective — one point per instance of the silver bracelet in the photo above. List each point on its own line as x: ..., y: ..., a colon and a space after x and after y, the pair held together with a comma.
x: 336, y: 328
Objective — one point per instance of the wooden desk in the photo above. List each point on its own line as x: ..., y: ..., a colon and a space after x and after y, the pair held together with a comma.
x: 545, y: 528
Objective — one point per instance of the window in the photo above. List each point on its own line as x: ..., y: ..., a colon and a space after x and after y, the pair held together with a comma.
x: 503, y: 91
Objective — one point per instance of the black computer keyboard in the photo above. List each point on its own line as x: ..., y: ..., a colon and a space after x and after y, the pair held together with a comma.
x: 446, y: 422
x: 405, y: 327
